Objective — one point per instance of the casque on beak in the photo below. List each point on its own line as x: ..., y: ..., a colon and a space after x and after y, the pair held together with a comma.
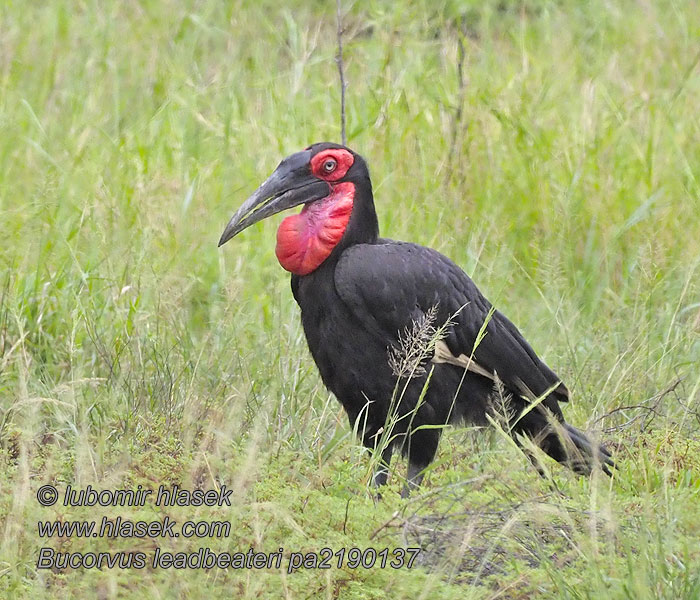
x: 290, y: 185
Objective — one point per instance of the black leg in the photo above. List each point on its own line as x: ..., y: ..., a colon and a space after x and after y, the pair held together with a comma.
x: 381, y: 473
x: 421, y: 452
x: 413, y: 479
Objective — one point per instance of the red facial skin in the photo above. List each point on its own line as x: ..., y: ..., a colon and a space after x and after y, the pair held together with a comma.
x: 305, y: 240
x: 343, y: 160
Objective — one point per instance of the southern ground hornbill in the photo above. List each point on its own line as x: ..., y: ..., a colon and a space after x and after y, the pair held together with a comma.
x: 400, y: 334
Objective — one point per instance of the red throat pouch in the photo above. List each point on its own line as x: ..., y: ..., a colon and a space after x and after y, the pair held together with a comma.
x: 305, y: 240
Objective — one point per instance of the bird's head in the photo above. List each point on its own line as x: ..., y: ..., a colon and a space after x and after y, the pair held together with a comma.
x: 332, y: 182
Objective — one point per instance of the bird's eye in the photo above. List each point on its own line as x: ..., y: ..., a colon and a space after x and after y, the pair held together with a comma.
x: 329, y: 165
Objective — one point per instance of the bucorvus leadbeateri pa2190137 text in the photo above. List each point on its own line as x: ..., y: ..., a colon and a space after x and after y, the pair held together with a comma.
x: 400, y: 334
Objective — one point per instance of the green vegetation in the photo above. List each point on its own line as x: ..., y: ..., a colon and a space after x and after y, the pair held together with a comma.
x: 563, y: 175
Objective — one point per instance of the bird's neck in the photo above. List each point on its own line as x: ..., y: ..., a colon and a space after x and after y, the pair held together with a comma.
x: 363, y: 227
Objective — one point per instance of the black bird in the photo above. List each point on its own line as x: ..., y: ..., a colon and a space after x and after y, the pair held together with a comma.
x: 400, y: 334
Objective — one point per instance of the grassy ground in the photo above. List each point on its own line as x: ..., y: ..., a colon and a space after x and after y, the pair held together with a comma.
x: 563, y: 174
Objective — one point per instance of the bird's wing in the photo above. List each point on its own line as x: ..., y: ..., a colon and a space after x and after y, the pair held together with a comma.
x: 392, y: 285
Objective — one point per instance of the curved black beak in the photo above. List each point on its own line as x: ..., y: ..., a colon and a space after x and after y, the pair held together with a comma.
x: 290, y: 185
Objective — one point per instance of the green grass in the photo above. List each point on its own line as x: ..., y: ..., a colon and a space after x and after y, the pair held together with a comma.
x: 133, y: 351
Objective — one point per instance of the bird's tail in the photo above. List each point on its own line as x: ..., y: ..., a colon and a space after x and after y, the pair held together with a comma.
x: 564, y: 443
